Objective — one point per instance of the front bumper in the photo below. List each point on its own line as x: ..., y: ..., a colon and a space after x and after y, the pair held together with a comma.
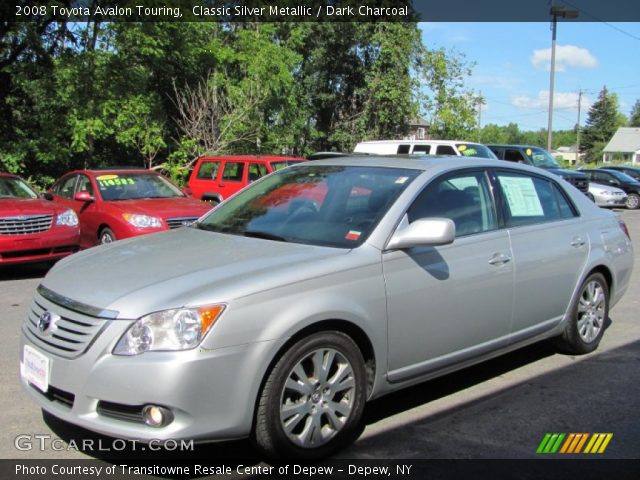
x: 51, y: 245
x: 210, y: 393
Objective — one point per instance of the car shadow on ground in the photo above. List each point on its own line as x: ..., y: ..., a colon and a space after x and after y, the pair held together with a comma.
x: 243, y: 450
x: 23, y: 271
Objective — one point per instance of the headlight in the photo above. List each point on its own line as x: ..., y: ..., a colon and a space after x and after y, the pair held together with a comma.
x: 142, y: 221
x: 67, y: 218
x: 169, y: 330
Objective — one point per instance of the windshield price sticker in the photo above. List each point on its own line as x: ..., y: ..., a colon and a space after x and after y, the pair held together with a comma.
x: 353, y: 235
x: 114, y: 181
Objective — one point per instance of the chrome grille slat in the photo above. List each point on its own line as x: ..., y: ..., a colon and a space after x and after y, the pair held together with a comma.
x: 178, y: 222
x: 25, y: 224
x: 73, y: 332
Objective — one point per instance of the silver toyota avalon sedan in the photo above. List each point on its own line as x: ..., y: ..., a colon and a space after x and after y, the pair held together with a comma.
x: 279, y: 314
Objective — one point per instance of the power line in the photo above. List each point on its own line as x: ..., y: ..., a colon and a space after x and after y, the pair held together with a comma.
x: 588, y: 14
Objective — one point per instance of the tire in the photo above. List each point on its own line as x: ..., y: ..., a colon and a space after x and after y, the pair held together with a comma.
x: 322, y: 412
x: 633, y: 201
x: 106, y: 236
x: 589, y: 313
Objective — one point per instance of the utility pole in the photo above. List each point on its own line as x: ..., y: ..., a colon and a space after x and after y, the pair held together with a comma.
x: 578, y: 128
x: 562, y: 12
x: 479, y: 116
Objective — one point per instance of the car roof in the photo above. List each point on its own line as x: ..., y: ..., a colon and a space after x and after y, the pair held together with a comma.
x: 619, y: 167
x: 8, y: 175
x: 252, y: 158
x: 419, y: 142
x: 112, y: 171
x: 434, y: 164
x: 513, y: 145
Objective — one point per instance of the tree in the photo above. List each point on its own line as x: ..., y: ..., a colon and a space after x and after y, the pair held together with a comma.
x: 449, y: 106
x: 634, y: 118
x: 602, y: 122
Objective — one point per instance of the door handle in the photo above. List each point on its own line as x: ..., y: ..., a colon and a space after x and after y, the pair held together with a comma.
x: 578, y: 242
x: 499, y: 259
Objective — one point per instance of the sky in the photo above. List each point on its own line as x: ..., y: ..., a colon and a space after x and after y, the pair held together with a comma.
x: 512, y: 67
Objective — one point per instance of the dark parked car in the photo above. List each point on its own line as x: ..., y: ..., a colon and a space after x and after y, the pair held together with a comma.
x: 620, y: 180
x: 539, y: 157
x: 633, y: 172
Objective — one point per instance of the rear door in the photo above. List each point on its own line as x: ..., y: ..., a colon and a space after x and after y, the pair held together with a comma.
x: 550, y: 247
x: 232, y: 178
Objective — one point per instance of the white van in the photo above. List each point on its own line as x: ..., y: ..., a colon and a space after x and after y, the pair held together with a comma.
x: 425, y: 147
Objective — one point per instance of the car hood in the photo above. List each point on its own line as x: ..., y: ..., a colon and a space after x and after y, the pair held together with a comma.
x: 595, y: 187
x: 184, y: 267
x: 27, y: 206
x: 162, y: 207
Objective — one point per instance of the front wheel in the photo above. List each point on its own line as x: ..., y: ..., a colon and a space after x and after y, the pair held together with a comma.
x: 312, y: 400
x: 589, y: 313
x: 106, y: 236
x: 633, y: 201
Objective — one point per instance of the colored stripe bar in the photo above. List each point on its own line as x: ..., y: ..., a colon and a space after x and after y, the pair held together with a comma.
x: 607, y: 439
x: 581, y: 443
x: 556, y: 446
x: 543, y: 443
x: 567, y: 443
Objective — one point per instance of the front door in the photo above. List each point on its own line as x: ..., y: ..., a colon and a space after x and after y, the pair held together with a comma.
x: 453, y: 302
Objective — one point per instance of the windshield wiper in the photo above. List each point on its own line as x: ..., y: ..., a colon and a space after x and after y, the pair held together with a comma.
x: 265, y: 235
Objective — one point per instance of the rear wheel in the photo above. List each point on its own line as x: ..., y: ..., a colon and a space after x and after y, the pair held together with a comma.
x: 106, y: 236
x: 589, y: 313
x: 312, y: 399
x: 633, y: 201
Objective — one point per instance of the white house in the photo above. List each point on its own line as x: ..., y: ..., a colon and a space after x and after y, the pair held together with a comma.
x: 625, y: 141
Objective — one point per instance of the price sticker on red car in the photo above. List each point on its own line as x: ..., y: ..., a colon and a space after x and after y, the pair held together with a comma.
x: 35, y: 368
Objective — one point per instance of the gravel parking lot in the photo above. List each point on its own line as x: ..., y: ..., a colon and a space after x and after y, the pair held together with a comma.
x: 499, y: 409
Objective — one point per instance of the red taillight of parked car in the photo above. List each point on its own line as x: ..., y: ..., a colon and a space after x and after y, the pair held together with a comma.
x: 624, y: 228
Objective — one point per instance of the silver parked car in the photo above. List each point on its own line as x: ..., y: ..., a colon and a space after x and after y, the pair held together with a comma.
x: 607, y: 196
x: 282, y: 312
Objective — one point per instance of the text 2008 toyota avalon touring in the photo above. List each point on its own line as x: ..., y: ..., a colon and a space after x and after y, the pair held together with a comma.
x: 317, y: 288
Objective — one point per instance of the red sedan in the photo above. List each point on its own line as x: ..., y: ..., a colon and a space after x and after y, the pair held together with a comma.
x: 116, y: 204
x: 33, y: 229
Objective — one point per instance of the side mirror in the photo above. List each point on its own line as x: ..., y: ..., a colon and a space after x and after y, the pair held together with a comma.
x: 83, y: 197
x: 47, y: 196
x: 423, y: 232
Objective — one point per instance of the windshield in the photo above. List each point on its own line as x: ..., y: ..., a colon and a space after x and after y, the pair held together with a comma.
x: 623, y: 177
x: 280, y: 164
x: 541, y: 158
x: 132, y: 186
x: 336, y: 206
x: 475, y: 150
x: 12, y: 187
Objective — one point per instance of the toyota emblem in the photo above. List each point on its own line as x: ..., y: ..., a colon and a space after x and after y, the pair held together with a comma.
x: 47, y: 321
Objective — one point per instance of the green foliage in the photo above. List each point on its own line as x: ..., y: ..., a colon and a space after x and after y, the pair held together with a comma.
x: 602, y: 122
x: 634, y: 118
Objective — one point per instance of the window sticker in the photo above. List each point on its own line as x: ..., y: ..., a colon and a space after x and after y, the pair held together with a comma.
x: 106, y: 181
x: 106, y: 177
x: 462, y: 148
x: 529, y: 151
x: 401, y: 180
x: 521, y: 196
x: 469, y: 152
x: 353, y: 235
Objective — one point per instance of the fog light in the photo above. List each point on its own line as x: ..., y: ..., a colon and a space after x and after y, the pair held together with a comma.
x: 156, y: 416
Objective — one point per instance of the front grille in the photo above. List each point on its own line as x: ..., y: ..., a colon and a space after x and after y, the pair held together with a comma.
x: 25, y: 224
x: 178, y: 222
x: 119, y: 411
x: 70, y: 336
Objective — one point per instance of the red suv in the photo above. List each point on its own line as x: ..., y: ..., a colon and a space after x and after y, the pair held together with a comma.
x: 33, y: 229
x: 214, y: 179
x: 120, y: 203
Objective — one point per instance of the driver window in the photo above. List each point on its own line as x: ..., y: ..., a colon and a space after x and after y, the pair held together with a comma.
x: 464, y: 198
